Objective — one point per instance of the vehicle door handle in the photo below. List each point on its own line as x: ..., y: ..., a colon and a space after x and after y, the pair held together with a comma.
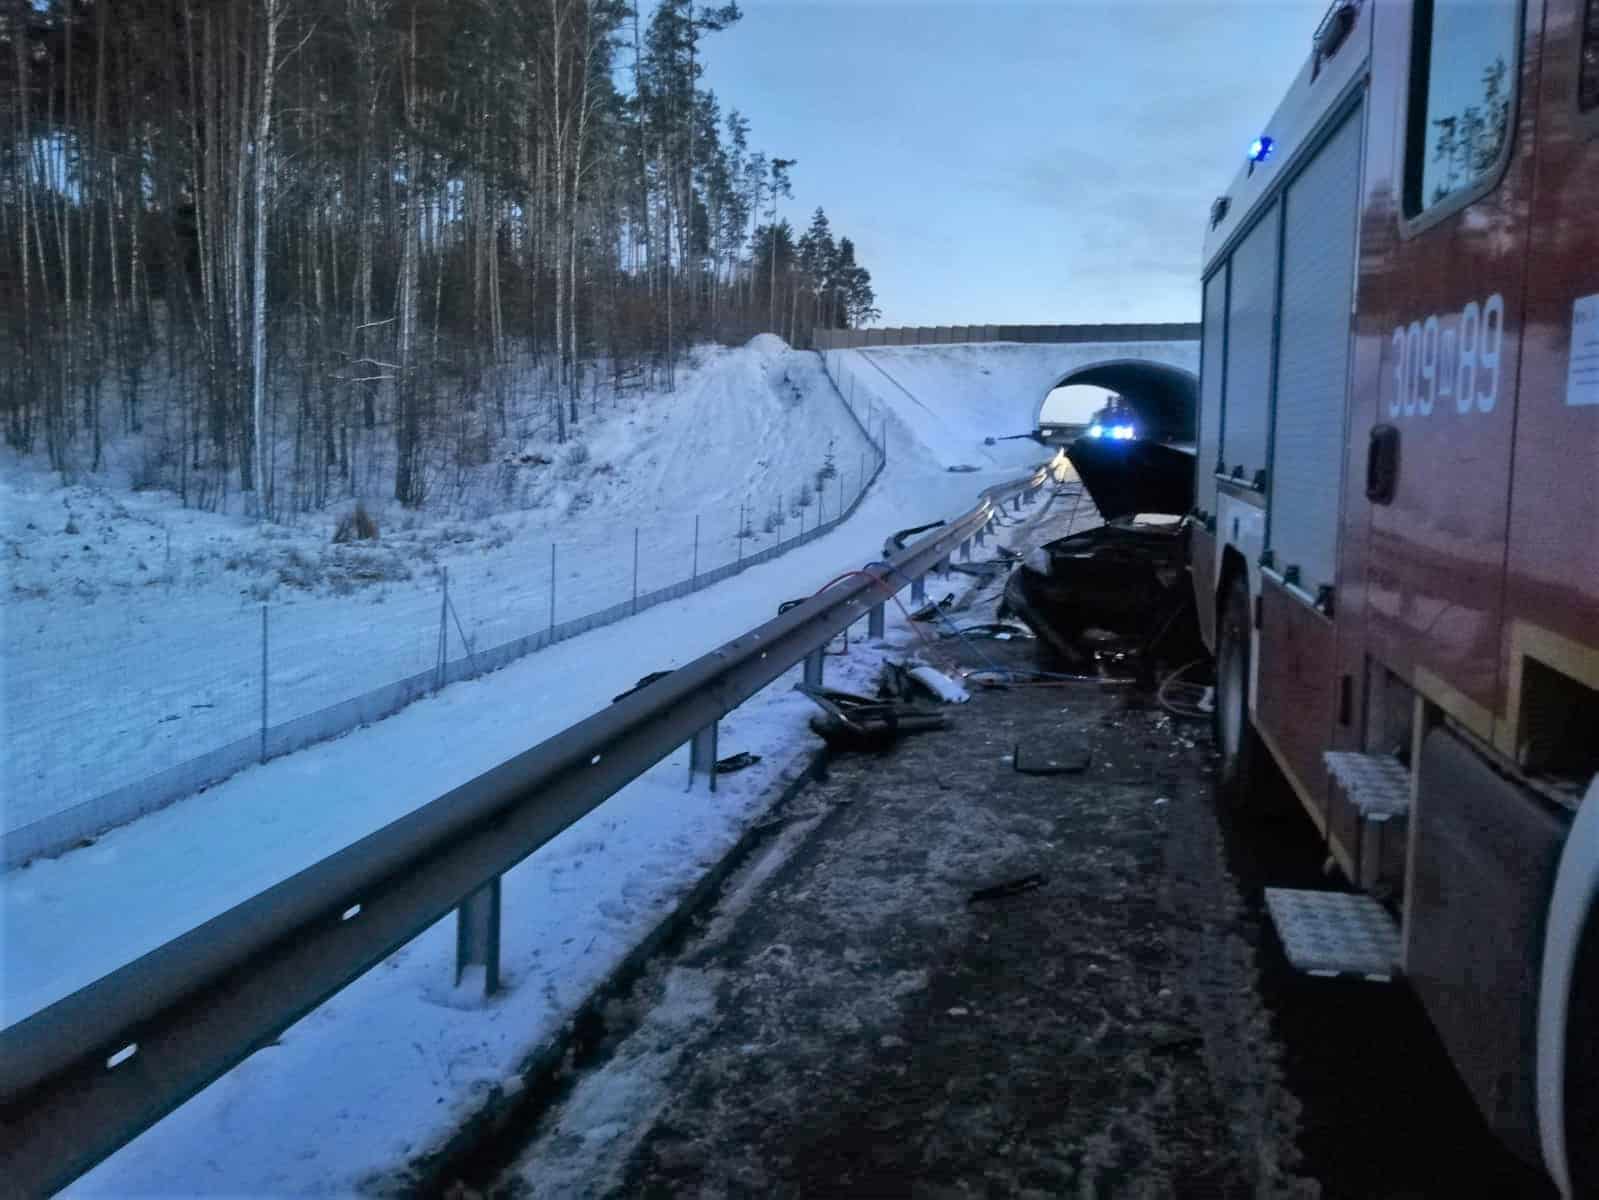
x: 1382, y: 464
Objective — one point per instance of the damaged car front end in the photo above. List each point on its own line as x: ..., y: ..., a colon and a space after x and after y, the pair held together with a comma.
x: 1116, y: 598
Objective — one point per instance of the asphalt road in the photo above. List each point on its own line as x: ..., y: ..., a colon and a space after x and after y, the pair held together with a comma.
x: 847, y: 1021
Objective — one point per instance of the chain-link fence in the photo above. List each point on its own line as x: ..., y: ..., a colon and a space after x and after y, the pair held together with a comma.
x: 170, y: 710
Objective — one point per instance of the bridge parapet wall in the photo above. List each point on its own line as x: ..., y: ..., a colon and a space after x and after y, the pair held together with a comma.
x: 944, y: 335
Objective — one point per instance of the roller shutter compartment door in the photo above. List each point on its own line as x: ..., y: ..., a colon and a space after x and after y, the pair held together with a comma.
x: 1210, y: 390
x: 1318, y: 274
x: 1250, y: 302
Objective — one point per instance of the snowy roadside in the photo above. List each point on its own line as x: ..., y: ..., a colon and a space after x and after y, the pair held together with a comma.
x: 411, y: 1056
x: 131, y: 630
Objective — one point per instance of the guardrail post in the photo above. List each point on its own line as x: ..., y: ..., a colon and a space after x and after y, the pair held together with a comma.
x: 982, y: 534
x: 1017, y: 504
x: 874, y: 622
x: 966, y: 550
x: 263, y: 681
x: 813, y: 667
x: 702, y: 757
x: 919, y: 590
x: 477, y: 935
x: 943, y: 565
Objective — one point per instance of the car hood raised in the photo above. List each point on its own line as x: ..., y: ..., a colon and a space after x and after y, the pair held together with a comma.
x: 1128, y: 477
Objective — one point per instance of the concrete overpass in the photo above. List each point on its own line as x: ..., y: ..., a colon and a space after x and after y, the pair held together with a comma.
x: 955, y: 386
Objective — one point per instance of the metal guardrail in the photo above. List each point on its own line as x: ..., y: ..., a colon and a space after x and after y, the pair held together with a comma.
x: 89, y: 1073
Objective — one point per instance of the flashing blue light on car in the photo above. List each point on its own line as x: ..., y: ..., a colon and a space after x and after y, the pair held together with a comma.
x: 1260, y: 149
x: 1121, y: 433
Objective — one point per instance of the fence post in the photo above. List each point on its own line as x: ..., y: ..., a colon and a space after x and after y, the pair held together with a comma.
x: 552, y: 592
x: 702, y: 757
x: 263, y: 681
x: 635, y: 570
x: 444, y: 630
x: 477, y: 935
x: 694, y: 584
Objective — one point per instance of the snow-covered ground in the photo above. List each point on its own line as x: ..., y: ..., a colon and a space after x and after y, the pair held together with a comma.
x: 131, y: 637
x: 409, y: 1054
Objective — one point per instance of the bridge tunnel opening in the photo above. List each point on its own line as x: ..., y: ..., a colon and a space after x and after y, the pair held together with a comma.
x: 1163, y: 400
x: 1135, y: 451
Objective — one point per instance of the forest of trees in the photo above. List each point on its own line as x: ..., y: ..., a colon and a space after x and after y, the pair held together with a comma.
x: 390, y: 234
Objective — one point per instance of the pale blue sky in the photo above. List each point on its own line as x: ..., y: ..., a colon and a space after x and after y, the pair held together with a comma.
x: 1007, y: 161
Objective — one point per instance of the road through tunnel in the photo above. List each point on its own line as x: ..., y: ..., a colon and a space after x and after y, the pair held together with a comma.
x: 1163, y: 398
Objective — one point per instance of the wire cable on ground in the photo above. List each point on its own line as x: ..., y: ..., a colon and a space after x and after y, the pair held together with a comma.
x: 1188, y: 712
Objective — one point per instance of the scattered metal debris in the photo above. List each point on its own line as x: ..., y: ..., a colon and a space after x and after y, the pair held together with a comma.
x: 939, y: 685
x: 896, y: 541
x: 736, y: 762
x: 931, y: 610
x: 853, y: 722
x: 641, y: 685
x: 998, y: 631
x: 990, y: 680
x: 1011, y: 887
x: 985, y: 569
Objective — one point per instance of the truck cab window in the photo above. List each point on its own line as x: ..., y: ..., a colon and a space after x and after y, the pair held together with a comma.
x: 1463, y: 80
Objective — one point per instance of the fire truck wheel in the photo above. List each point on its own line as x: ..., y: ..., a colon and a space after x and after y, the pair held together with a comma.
x: 1237, y: 742
x: 1582, y: 1066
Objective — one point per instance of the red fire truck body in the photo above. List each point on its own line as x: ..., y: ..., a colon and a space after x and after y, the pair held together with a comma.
x: 1396, y: 537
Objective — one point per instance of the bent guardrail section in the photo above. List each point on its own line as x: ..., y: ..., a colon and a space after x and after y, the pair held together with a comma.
x: 89, y: 1073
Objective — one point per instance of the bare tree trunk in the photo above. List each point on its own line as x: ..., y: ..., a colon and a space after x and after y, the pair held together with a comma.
x: 26, y: 218
x: 407, y: 474
x: 274, y: 13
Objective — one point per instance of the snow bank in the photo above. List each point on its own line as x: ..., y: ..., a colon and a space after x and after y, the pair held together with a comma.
x: 390, y: 1065
x: 131, y: 639
x: 767, y: 344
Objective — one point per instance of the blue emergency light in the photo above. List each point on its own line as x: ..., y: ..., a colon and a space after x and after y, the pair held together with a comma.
x: 1260, y: 149
x: 1120, y: 433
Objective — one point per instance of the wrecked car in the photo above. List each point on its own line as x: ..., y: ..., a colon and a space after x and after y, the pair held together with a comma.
x: 1117, y: 593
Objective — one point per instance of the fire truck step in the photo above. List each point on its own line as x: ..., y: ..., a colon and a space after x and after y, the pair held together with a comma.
x: 1335, y: 933
x: 1376, y: 784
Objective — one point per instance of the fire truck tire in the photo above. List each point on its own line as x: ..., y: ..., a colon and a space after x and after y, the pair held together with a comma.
x: 1238, y: 774
x: 1582, y: 1066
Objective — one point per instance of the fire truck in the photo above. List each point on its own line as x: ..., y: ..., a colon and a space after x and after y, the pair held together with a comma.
x: 1395, y: 538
